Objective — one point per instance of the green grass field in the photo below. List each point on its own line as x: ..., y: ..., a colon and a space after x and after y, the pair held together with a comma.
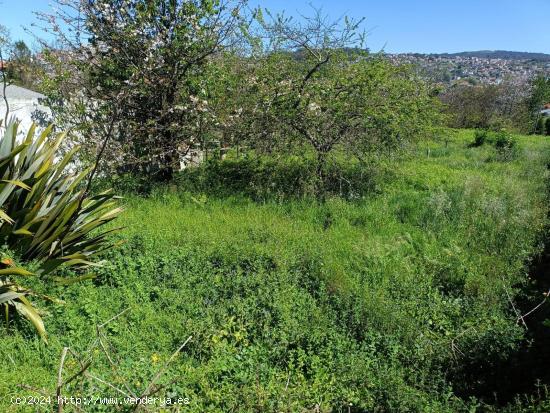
x: 385, y: 303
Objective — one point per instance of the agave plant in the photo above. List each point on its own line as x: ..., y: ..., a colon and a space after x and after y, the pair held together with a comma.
x: 46, y: 215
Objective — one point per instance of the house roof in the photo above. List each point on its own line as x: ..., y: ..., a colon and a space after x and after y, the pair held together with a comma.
x: 19, y: 93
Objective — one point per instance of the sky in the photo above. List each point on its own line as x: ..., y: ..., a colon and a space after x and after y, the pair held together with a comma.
x: 396, y: 26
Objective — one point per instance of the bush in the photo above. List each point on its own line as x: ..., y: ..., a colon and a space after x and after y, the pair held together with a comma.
x: 504, y: 140
x: 480, y: 137
x: 290, y: 178
x: 46, y: 216
x: 504, y: 143
x: 506, y: 146
x: 541, y: 125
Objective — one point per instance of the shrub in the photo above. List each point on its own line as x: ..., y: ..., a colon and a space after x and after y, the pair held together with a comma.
x: 289, y: 178
x: 541, y: 126
x: 506, y: 146
x: 480, y: 137
x: 46, y: 216
x: 504, y: 143
x: 504, y: 140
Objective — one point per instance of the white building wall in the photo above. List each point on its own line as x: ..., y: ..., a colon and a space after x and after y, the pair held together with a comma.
x: 22, y: 104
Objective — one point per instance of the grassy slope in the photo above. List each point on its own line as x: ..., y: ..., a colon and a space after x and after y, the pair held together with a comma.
x: 377, y: 302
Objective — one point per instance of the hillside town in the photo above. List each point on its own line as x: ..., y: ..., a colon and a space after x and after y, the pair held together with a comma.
x: 449, y: 69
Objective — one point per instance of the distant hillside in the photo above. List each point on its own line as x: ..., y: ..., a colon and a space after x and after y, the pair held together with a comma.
x: 486, y: 66
x: 501, y: 54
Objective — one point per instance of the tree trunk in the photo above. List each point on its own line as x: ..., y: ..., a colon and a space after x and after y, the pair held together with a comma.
x: 320, y: 189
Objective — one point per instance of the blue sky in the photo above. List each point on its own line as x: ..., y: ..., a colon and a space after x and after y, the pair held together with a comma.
x: 397, y: 25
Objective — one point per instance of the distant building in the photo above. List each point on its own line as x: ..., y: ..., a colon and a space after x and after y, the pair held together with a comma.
x: 23, y: 104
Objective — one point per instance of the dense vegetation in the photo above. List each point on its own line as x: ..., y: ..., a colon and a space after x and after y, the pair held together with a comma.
x: 301, y: 232
x: 506, y: 105
x: 393, y: 301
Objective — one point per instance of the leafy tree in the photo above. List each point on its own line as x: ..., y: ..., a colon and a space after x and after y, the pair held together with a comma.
x: 488, y: 106
x: 310, y: 83
x: 472, y: 106
x: 22, y: 68
x: 137, y: 65
x: 540, y: 95
x: 20, y: 52
x: 16, y: 63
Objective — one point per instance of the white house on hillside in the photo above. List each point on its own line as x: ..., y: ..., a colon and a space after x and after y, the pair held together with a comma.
x: 22, y: 104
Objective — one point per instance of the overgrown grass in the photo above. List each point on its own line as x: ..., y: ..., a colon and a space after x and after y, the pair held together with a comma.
x: 263, y: 178
x: 381, y: 303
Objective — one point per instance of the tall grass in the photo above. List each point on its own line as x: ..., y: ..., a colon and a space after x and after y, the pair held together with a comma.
x: 379, y: 303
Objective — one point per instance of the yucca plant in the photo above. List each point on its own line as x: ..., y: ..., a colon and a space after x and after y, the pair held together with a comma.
x: 46, y: 216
